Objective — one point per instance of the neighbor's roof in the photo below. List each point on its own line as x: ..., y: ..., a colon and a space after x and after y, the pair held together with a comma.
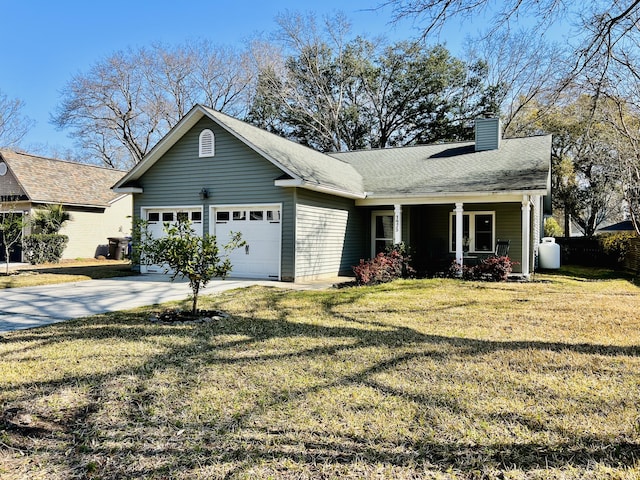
x: 46, y: 180
x: 519, y: 165
x: 310, y: 167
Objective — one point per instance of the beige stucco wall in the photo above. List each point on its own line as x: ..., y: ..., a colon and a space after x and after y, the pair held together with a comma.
x: 88, y: 231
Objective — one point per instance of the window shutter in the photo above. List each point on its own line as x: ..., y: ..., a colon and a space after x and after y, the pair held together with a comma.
x: 207, y: 144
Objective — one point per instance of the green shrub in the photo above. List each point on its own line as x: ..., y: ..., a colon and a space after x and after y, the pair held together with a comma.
x: 44, y: 248
x: 616, y: 245
x: 551, y: 228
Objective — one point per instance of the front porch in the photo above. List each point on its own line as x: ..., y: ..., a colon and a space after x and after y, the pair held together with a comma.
x: 463, y: 232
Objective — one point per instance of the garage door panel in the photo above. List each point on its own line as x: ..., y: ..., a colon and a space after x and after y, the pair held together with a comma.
x: 260, y: 229
x: 156, y: 220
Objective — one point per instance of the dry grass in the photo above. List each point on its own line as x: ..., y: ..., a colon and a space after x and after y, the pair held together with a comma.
x: 64, y: 272
x: 418, y: 379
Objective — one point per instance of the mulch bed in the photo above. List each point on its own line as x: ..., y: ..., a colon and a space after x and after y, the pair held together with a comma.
x: 177, y: 316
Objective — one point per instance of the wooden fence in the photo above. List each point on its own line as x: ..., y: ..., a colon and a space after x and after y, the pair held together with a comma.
x: 590, y: 253
x: 632, y: 258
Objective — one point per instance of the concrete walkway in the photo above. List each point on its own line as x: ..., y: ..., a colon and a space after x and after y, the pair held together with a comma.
x: 30, y: 307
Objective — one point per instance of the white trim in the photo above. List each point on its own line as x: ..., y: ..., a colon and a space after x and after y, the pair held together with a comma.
x: 128, y: 189
x: 472, y: 214
x: 526, y: 234
x: 474, y: 197
x: 249, y: 206
x: 118, y: 198
x: 298, y: 182
x: 397, y: 224
x: 374, y: 215
x: 459, y: 214
x: 210, y: 150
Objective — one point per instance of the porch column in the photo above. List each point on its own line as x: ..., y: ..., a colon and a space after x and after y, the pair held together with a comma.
x: 526, y: 234
x: 459, y: 226
x: 397, y: 224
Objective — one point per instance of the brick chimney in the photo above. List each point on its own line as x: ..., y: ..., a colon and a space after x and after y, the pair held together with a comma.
x: 488, y: 133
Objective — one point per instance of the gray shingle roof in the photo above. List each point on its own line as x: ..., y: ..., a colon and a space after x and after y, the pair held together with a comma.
x: 521, y: 164
x: 46, y: 180
x: 303, y: 162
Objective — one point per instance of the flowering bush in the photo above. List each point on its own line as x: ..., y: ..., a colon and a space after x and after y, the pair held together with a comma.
x: 384, y: 267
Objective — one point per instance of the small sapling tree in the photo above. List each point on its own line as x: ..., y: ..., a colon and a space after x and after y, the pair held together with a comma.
x: 183, y: 252
x: 12, y: 223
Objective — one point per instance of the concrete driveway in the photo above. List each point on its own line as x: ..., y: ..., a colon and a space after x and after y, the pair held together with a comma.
x: 30, y: 307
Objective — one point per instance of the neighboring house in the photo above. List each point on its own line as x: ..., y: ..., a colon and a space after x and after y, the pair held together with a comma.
x: 29, y: 182
x: 306, y: 214
x: 625, y: 226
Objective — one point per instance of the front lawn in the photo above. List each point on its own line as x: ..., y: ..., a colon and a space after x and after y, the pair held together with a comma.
x: 416, y: 379
x: 64, y: 272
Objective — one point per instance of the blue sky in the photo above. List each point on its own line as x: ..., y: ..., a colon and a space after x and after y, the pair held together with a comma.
x: 45, y: 43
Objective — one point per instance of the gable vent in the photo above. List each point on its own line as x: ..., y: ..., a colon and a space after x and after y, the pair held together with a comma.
x: 207, y: 143
x: 488, y: 133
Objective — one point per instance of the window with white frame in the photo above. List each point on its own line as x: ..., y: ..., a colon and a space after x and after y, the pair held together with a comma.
x: 478, y: 232
x: 381, y: 230
x: 207, y: 143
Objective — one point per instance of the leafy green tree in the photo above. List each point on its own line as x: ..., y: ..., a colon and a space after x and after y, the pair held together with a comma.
x: 585, y: 186
x: 336, y: 94
x: 552, y: 228
x: 183, y: 252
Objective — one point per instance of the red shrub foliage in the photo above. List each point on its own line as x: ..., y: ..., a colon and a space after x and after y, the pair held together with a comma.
x: 385, y: 267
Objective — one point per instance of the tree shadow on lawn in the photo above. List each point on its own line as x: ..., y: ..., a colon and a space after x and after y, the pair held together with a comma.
x: 138, y: 444
x: 91, y: 271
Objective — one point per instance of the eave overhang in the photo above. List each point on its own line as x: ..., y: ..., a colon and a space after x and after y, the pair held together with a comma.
x: 372, y: 199
x: 300, y: 183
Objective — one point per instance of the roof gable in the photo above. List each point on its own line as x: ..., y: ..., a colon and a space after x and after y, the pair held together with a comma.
x: 47, y: 180
x: 307, y: 167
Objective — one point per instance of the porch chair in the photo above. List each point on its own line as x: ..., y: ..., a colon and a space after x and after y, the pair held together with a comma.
x: 502, y: 248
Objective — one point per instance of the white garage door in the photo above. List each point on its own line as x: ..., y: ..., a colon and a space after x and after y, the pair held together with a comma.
x: 260, y: 229
x: 156, y: 219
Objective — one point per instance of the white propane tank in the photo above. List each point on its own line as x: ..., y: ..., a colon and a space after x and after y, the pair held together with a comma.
x: 549, y: 253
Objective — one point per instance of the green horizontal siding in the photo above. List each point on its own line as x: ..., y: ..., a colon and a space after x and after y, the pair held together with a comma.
x: 236, y: 175
x: 329, y: 234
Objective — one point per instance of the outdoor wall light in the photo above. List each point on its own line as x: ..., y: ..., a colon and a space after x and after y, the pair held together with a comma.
x: 204, y: 193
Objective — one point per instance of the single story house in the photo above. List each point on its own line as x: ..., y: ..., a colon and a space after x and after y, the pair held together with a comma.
x: 306, y: 214
x: 29, y: 182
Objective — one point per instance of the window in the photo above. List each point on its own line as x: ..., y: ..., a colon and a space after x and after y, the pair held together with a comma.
x: 222, y: 217
x: 183, y: 216
x: 207, y: 143
x: 256, y: 215
x: 196, y: 216
x: 153, y: 216
x: 239, y: 215
x: 167, y: 216
x: 273, y: 216
x: 478, y: 232
x: 382, y: 231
